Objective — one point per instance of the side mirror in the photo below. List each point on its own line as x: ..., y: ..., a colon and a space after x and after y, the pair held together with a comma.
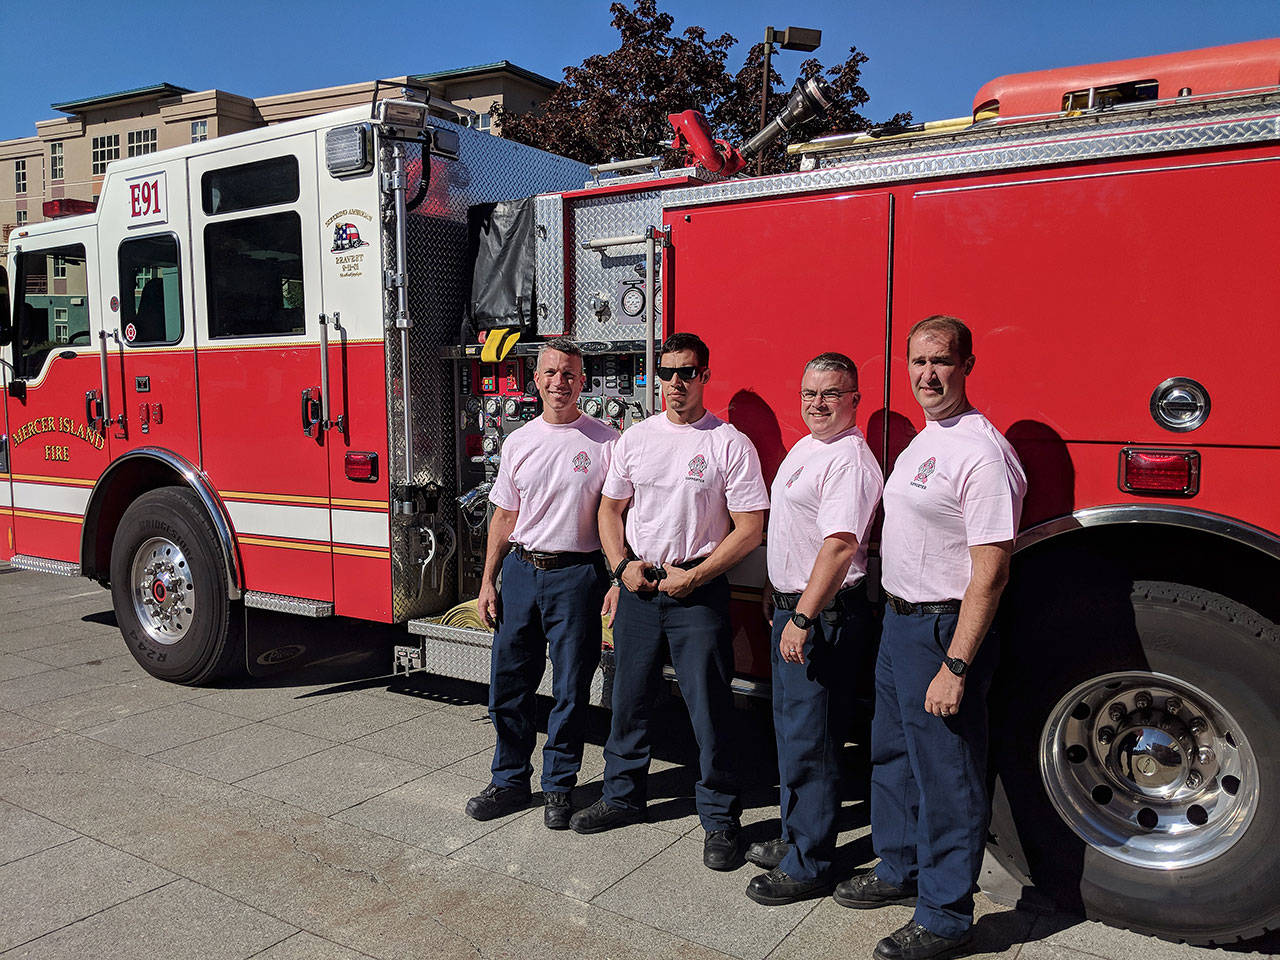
x: 6, y: 325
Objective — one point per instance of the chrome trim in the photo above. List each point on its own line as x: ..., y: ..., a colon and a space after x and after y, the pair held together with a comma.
x: 300, y: 606
x: 1180, y: 388
x: 200, y: 485
x: 1238, y: 531
x: 63, y: 568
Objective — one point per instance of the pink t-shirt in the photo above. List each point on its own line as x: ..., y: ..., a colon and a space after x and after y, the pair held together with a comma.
x: 823, y: 487
x: 683, y: 480
x: 958, y: 484
x: 552, y: 473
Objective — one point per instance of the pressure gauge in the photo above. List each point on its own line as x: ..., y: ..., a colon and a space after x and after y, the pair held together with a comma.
x: 492, y: 407
x: 614, y: 407
x: 633, y: 302
x: 592, y: 406
x: 491, y: 444
x: 511, y: 409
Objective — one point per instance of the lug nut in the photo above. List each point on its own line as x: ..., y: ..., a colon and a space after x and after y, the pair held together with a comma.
x: 1194, y: 779
x: 1116, y: 712
x: 1142, y: 700
x: 1172, y: 705
x: 1106, y: 735
x: 1205, y: 755
x: 1197, y: 726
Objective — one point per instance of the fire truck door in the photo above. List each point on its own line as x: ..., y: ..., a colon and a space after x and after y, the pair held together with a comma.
x: 255, y: 247
x: 55, y: 450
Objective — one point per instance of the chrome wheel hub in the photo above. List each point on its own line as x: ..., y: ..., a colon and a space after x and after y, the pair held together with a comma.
x: 1149, y: 769
x: 162, y: 590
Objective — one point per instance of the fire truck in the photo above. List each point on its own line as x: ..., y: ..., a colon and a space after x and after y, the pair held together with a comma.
x: 275, y: 371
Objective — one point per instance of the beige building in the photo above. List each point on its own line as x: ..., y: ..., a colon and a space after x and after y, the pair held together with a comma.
x: 68, y: 156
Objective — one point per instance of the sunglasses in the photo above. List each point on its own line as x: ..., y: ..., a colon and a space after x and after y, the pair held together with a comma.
x: 684, y: 373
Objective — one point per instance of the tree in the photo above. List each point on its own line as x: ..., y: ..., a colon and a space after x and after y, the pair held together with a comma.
x: 615, y: 105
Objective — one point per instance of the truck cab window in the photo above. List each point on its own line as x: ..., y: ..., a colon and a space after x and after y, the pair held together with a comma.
x: 53, y: 286
x: 254, y: 275
x: 263, y: 183
x: 150, y: 290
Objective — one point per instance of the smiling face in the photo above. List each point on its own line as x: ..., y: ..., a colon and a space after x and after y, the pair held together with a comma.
x: 937, y: 374
x: 683, y: 397
x: 559, y: 381
x: 827, y: 414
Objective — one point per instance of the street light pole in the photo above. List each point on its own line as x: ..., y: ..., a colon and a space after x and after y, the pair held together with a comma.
x: 793, y: 38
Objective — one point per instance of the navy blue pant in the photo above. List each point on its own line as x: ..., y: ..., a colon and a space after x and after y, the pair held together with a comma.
x: 811, y: 712
x: 929, y: 805
x: 697, y: 629
x: 544, y: 611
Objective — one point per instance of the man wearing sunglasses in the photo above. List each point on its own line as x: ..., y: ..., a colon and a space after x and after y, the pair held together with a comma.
x: 690, y: 488
x: 823, y: 499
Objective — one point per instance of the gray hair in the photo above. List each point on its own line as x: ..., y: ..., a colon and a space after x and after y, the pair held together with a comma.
x: 834, y: 361
x: 562, y: 345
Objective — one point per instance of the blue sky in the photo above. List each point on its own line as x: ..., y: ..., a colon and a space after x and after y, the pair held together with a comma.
x: 927, y: 56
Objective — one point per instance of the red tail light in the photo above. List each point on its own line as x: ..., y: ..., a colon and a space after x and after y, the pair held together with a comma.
x: 361, y: 466
x: 1169, y: 472
x: 67, y: 207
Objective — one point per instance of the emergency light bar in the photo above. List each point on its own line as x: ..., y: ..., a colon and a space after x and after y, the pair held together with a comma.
x: 66, y: 207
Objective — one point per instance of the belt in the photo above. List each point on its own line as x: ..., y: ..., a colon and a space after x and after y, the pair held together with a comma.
x: 658, y: 572
x: 901, y: 606
x: 788, y: 601
x: 554, y: 561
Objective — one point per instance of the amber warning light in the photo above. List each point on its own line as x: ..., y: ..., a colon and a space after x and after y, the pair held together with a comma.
x: 1165, y: 472
x: 67, y: 207
x: 361, y: 466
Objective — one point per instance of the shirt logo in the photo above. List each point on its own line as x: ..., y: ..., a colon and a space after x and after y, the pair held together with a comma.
x: 581, y: 462
x: 697, y: 467
x: 924, y: 472
x: 795, y: 476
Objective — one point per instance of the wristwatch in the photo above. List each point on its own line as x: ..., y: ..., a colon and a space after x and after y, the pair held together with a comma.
x: 617, y: 571
x: 956, y: 665
x: 803, y: 622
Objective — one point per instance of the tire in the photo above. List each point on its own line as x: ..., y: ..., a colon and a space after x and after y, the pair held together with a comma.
x: 169, y: 589
x: 1075, y: 783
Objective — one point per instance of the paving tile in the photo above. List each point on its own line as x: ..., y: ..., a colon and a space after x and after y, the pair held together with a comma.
x: 38, y: 687
x: 307, y: 946
x: 675, y: 892
x: 561, y: 860
x: 58, y: 595
x: 104, y: 704
x: 266, y: 702
x: 50, y: 889
x: 478, y: 765
x: 122, y: 668
x: 23, y: 833
x: 434, y: 739
x: 343, y: 719
x: 101, y: 646
x: 163, y: 728
x: 1057, y: 937
x: 27, y: 635
x: 63, y: 609
x: 242, y: 752
x: 12, y: 666
x: 17, y: 730
x: 179, y: 921
x: 426, y: 812
x: 334, y: 779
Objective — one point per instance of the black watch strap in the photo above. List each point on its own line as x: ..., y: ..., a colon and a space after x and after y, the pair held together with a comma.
x: 617, y: 571
x: 803, y: 622
x: 956, y: 665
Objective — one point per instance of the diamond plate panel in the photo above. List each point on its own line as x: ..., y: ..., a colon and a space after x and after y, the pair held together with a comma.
x: 488, y: 169
x: 62, y: 568
x: 548, y: 217
x: 597, y: 273
x: 299, y: 606
x: 1020, y: 146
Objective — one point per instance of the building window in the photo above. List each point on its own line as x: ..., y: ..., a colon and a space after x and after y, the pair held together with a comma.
x: 22, y: 217
x: 20, y: 176
x: 55, y: 161
x: 482, y: 122
x: 105, y: 149
x: 199, y: 130
x: 61, y: 329
x: 142, y: 141
x: 59, y: 268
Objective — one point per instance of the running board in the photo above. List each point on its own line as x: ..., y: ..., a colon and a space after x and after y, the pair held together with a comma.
x: 63, y: 568
x: 299, y: 606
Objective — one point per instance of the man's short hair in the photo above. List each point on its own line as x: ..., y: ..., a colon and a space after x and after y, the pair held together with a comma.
x: 687, y: 341
x: 834, y: 361
x: 956, y: 328
x: 562, y: 344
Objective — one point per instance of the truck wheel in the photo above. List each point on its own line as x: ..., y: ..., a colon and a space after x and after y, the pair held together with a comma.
x: 1136, y: 744
x: 169, y: 589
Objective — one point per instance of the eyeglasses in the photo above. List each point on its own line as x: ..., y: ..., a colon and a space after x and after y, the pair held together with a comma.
x: 828, y: 396
x: 684, y: 373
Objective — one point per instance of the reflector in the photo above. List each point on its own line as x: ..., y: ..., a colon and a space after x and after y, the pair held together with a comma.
x: 1169, y: 472
x: 361, y: 466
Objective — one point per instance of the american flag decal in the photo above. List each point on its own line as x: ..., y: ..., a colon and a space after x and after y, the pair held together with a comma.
x: 345, y: 237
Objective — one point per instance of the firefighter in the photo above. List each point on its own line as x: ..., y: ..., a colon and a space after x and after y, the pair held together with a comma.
x: 951, y: 508
x: 544, y: 537
x: 822, y: 503
x: 697, y: 503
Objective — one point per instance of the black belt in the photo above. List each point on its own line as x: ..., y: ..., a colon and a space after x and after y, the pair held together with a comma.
x: 906, y: 607
x: 658, y: 572
x: 788, y: 601
x: 554, y: 561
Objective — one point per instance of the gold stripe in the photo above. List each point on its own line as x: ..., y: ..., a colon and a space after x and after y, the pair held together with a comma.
x: 371, y: 504
x: 352, y: 552
x: 285, y: 544
x: 34, y: 515
x: 235, y: 495
x: 290, y: 345
x: 69, y: 481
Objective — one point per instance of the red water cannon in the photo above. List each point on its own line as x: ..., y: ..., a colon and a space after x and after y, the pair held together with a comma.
x: 808, y: 99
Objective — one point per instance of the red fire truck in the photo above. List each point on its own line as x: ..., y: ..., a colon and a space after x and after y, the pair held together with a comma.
x: 268, y: 372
